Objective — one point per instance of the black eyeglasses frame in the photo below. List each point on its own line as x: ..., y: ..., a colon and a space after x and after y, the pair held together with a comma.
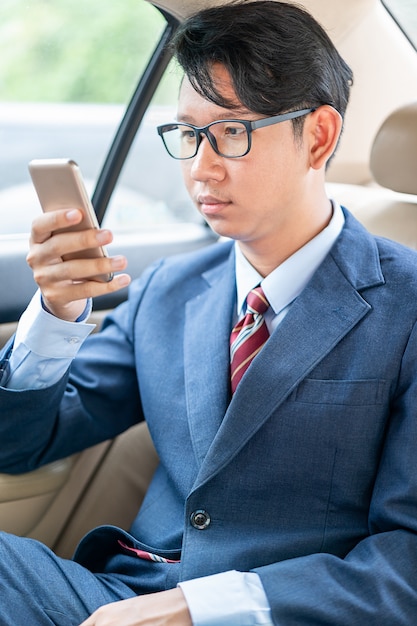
x: 250, y: 126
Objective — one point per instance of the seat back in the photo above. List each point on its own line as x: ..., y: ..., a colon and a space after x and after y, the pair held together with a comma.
x: 393, y: 159
x: 388, y: 207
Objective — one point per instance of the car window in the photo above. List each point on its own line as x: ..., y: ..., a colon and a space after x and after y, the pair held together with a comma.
x: 151, y: 193
x: 68, y: 70
x: 405, y: 13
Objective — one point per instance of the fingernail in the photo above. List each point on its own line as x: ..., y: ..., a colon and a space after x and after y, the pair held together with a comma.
x: 118, y: 262
x: 73, y: 215
x: 103, y: 236
x: 123, y: 280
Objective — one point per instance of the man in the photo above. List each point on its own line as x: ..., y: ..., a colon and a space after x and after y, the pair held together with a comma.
x: 288, y: 493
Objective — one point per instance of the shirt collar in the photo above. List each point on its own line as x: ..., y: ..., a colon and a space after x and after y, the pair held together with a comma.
x: 287, y: 281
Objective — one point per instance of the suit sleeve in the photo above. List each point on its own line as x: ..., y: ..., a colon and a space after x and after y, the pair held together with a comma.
x: 82, y: 408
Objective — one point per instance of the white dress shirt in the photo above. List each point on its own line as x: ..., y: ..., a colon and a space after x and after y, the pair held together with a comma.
x: 45, y: 346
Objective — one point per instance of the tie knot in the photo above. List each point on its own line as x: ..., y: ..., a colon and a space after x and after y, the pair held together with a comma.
x: 256, y: 301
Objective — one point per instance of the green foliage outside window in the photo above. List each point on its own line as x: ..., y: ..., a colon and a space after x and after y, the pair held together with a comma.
x: 75, y: 50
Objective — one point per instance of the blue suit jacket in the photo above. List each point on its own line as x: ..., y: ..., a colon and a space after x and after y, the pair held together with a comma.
x: 308, y: 475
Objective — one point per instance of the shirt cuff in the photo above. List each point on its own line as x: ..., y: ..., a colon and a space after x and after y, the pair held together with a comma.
x: 233, y: 598
x: 47, y: 335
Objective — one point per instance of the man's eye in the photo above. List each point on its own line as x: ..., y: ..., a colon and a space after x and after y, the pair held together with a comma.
x: 234, y: 131
x: 187, y: 135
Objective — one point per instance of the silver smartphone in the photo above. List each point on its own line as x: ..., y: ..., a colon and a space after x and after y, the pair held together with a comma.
x: 59, y: 185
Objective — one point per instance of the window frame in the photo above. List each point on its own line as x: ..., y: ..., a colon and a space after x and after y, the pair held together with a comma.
x: 412, y: 39
x: 132, y: 118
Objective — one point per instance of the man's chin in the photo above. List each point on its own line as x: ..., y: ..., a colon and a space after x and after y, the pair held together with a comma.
x: 221, y: 228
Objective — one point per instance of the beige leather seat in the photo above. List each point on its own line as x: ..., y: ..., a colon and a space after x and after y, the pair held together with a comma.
x: 394, y: 151
x: 388, y: 207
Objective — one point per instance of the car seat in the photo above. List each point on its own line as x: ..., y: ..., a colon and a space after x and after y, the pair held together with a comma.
x: 388, y: 207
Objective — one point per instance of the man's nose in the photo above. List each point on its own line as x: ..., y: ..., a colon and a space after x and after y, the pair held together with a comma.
x: 207, y: 163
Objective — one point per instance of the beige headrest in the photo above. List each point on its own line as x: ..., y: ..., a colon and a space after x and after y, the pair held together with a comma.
x: 394, y: 152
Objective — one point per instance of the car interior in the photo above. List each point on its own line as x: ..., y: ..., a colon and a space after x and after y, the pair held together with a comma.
x: 373, y: 174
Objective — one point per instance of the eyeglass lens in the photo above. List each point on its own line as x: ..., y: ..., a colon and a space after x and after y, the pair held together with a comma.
x: 229, y: 139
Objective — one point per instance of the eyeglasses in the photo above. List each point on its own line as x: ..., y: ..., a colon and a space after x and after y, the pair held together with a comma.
x: 228, y: 138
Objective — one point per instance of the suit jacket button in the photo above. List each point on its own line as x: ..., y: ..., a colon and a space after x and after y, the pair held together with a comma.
x: 200, y: 519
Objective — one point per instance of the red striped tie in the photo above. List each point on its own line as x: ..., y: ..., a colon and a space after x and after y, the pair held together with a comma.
x: 248, y: 336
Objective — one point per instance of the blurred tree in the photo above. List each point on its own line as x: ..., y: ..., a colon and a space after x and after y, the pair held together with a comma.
x: 73, y: 50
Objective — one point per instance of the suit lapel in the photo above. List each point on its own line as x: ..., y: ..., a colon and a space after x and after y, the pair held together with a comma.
x: 328, y: 308
x: 208, y: 318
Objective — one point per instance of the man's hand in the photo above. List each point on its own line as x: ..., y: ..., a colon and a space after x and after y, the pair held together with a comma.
x: 65, y: 285
x: 166, y: 608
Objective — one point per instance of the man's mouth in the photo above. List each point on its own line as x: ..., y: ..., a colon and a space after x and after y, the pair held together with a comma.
x: 210, y: 205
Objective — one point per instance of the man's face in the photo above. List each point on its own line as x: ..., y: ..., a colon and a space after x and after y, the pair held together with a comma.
x: 255, y: 199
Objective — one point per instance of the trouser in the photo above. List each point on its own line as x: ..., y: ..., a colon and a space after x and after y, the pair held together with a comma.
x: 38, y: 588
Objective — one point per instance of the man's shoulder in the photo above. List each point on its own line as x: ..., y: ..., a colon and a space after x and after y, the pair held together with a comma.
x: 388, y: 250
x: 371, y: 262
x: 398, y: 262
x: 200, y: 260
x: 398, y: 265
x: 182, y: 270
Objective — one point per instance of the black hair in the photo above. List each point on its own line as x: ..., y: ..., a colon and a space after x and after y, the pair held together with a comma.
x: 278, y: 56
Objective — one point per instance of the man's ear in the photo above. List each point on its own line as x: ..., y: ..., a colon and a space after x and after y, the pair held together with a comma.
x: 324, y: 126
